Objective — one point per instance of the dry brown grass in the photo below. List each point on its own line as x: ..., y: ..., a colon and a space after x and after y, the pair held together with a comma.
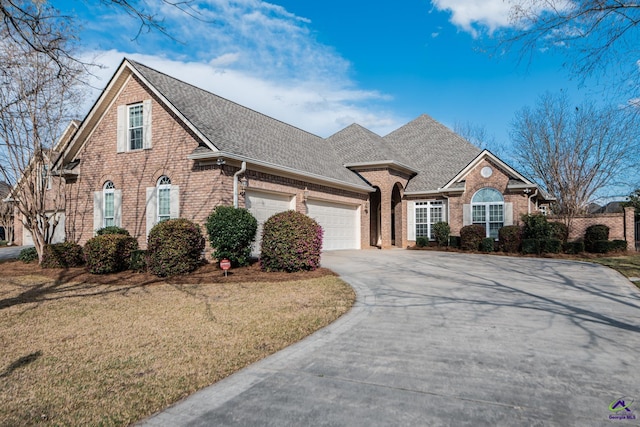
x: 82, y: 353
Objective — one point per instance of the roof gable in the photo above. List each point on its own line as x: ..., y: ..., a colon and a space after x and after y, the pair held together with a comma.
x: 515, y: 178
x: 223, y: 126
x: 435, y: 150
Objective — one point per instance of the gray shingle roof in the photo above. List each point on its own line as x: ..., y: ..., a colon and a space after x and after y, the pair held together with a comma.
x: 356, y: 144
x: 435, y: 150
x: 239, y: 130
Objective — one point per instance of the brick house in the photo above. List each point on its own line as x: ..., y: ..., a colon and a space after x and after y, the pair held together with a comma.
x: 153, y: 147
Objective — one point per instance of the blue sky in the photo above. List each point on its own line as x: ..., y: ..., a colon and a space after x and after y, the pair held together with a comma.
x: 324, y: 65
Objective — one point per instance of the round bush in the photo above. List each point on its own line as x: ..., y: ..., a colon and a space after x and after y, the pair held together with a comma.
x: 441, y: 232
x: 109, y: 253
x: 593, y: 234
x: 112, y: 230
x: 231, y: 232
x: 510, y: 238
x: 291, y: 241
x: 174, y: 247
x: 28, y: 255
x: 535, y: 227
x: 471, y: 236
x: 421, y: 242
x: 62, y: 255
x: 487, y: 244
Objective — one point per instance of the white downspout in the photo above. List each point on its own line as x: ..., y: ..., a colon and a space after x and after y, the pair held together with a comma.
x: 529, y: 201
x: 242, y: 170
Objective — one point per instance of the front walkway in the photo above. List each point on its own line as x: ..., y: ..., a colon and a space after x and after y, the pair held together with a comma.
x: 447, y: 339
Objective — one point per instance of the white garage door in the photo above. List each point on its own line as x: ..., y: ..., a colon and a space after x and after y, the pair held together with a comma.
x: 58, y: 235
x: 341, y: 224
x: 263, y: 206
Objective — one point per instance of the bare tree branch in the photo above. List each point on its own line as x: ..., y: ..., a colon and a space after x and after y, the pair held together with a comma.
x: 575, y: 152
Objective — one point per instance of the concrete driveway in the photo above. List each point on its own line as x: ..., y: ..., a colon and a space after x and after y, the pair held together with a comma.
x: 11, y: 252
x: 439, y: 339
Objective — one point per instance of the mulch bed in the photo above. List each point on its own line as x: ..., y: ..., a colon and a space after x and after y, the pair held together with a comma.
x: 207, y: 273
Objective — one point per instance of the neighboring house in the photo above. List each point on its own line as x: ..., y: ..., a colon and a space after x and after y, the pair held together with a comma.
x: 153, y: 147
x: 40, y: 180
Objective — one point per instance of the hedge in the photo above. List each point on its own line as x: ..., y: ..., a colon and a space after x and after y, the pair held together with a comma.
x: 530, y: 246
x: 454, y: 241
x: 441, y: 231
x: 109, y: 253
x: 422, y: 242
x: 112, y: 230
x: 510, y: 238
x: 231, y: 232
x: 573, y: 247
x: 174, y: 247
x: 28, y: 255
x: 471, y: 236
x: 291, y: 241
x: 487, y: 244
x: 62, y: 255
x: 595, y: 233
x: 550, y: 246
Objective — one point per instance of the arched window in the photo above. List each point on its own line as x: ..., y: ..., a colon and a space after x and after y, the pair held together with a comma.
x: 164, y: 198
x: 488, y: 210
x: 108, y: 218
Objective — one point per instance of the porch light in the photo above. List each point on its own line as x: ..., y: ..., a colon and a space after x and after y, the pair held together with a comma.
x: 220, y: 161
x: 366, y: 206
x: 306, y: 193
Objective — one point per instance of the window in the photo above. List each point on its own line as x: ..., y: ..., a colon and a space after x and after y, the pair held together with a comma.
x: 488, y: 210
x: 426, y: 215
x: 164, y: 198
x: 135, y: 127
x: 108, y: 194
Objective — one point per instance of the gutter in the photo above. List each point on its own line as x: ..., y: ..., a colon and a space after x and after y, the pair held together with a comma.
x: 235, y: 183
x: 278, y: 168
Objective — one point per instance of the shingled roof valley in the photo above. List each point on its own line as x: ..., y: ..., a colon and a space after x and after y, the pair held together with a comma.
x: 423, y: 144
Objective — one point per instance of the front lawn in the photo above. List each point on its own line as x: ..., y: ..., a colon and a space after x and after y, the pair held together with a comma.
x: 77, y: 349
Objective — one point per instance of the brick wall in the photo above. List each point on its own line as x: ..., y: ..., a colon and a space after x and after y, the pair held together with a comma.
x: 621, y: 225
x: 201, y: 186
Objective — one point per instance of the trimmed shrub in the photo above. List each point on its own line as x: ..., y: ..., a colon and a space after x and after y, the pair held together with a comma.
x: 421, y: 242
x: 109, y: 253
x: 471, y: 236
x: 510, y: 238
x: 573, y: 248
x: 530, y: 246
x: 619, y: 245
x: 559, y: 230
x: 291, y: 241
x: 231, y: 232
x: 138, y: 260
x: 28, y: 255
x: 535, y: 227
x: 454, y: 241
x: 3, y: 243
x: 62, y: 255
x: 487, y: 244
x: 112, y: 230
x: 550, y: 246
x: 441, y: 231
x: 174, y: 247
x: 595, y: 233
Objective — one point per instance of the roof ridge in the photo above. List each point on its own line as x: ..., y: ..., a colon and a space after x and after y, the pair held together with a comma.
x: 139, y: 64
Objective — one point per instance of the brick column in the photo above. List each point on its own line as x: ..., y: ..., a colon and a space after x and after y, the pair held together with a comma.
x: 385, y: 205
x: 629, y: 228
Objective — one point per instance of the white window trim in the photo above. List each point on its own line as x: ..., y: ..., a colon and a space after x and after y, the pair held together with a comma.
x: 123, y: 140
x: 129, y: 127
x: 159, y: 188
x: 487, y: 222
x: 428, y: 205
x: 108, y: 188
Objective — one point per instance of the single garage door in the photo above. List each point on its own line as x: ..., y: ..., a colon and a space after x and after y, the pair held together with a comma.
x: 341, y: 224
x: 262, y: 206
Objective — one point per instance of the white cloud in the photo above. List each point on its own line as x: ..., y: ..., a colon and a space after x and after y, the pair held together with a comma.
x: 468, y: 14
x: 261, y: 56
x: 314, y: 106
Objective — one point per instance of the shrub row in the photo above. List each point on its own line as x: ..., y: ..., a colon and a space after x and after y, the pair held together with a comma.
x: 62, y: 255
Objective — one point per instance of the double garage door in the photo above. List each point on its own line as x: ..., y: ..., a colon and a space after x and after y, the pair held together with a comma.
x: 340, y: 223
